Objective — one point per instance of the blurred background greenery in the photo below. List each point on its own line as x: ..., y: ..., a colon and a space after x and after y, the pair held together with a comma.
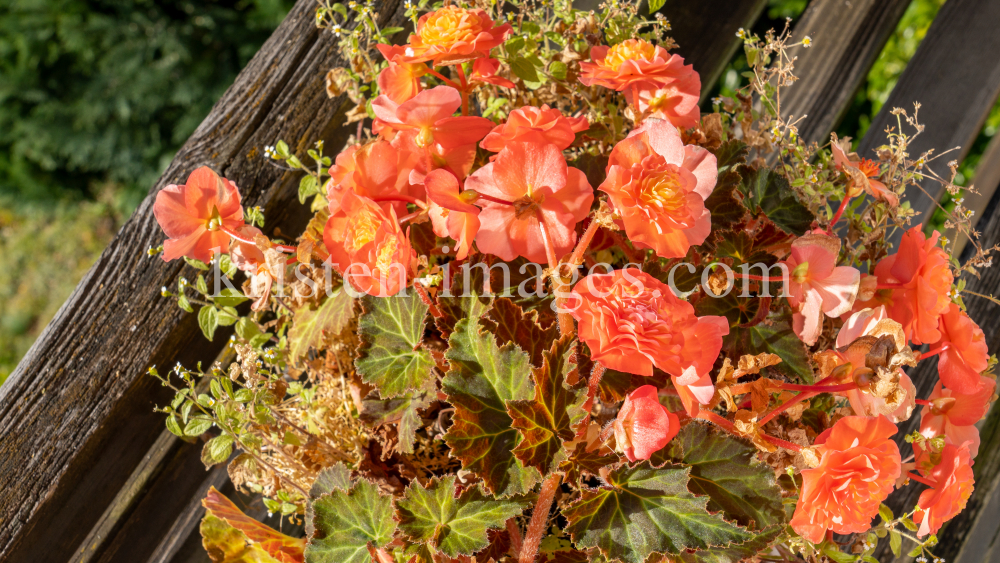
x: 96, y: 96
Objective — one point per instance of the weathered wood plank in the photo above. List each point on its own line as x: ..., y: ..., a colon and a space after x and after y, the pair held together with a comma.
x: 76, y: 416
x: 955, y: 76
x: 986, y: 179
x: 705, y: 32
x: 847, y: 38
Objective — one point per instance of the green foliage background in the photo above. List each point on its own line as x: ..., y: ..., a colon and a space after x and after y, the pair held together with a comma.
x: 96, y: 96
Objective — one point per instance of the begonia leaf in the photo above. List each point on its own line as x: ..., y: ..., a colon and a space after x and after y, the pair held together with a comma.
x: 226, y: 544
x: 768, y: 193
x: 391, y: 355
x: 737, y: 552
x: 774, y: 337
x: 277, y: 546
x: 510, y: 323
x: 346, y: 523
x: 399, y: 410
x: 313, y: 324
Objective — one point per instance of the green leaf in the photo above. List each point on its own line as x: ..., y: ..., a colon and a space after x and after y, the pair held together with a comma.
x: 455, y: 526
x: 196, y: 263
x: 246, y: 328
x: 833, y: 552
x: 183, y: 303
x: 230, y: 298
x: 775, y: 338
x: 401, y: 410
x: 227, y: 267
x: 482, y: 378
x: 514, y: 45
x: 208, y: 320
x: 391, y: 355
x: 333, y: 478
x: 308, y: 186
x: 524, y: 69
x: 217, y: 450
x: 197, y: 426
x: 731, y: 153
x: 201, y: 285
x: 885, y: 512
x: 347, y: 522
x: 509, y: 323
x: 494, y: 105
x: 581, y: 461
x: 645, y: 510
x: 655, y: 5
x: 768, y: 192
x: 558, y: 69
x: 895, y: 542
x: 726, y: 470
x: 546, y: 421
x: 725, y: 202
x: 174, y: 427
x: 312, y: 325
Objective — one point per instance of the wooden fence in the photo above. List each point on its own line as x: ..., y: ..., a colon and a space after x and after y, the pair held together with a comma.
x: 89, y: 473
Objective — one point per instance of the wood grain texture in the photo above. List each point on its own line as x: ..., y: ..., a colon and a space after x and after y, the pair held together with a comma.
x: 76, y: 417
x: 705, y: 32
x: 847, y: 38
x: 955, y: 75
x: 987, y: 465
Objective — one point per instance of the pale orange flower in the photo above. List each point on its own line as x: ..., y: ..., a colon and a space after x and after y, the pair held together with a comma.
x: 921, y: 268
x: 817, y: 286
x: 659, y: 187
x: 399, y: 81
x: 451, y: 214
x: 375, y: 169
x: 954, y: 415
x: 631, y: 322
x: 965, y: 355
x: 194, y: 214
x: 633, y: 61
x: 951, y: 471
x: 643, y: 425
x: 675, y: 101
x: 529, y: 124
x: 453, y: 35
x: 858, y: 466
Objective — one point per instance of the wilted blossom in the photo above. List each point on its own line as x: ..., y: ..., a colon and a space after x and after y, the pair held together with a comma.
x: 193, y: 215
x: 858, y: 466
x: 659, y: 187
x: 951, y: 471
x: 643, y: 425
x: 817, y: 285
x: 526, y: 187
x: 861, y: 172
x: 631, y: 322
x: 954, y: 415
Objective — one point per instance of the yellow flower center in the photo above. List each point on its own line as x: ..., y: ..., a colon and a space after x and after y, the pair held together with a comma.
x: 662, y: 190
x: 215, y: 221
x: 801, y: 273
x: 383, y: 261
x: 364, y: 228
x: 629, y: 50
x: 450, y: 25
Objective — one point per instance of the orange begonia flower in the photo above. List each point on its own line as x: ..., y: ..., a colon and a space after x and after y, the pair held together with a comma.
x: 860, y: 171
x: 965, y: 355
x: 954, y: 415
x: 858, y: 466
x: 191, y: 215
x: 375, y: 169
x: 659, y: 187
x: 367, y: 245
x: 400, y: 81
x: 485, y: 71
x: 675, y: 101
x: 817, y: 285
x: 429, y: 115
x: 451, y: 215
x: 954, y: 480
x: 631, y: 62
x: 526, y: 187
x: 529, y: 124
x: 921, y: 268
x: 631, y: 321
x: 452, y: 35
x: 643, y: 425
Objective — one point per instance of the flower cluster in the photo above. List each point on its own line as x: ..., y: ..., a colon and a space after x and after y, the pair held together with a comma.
x: 606, y: 376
